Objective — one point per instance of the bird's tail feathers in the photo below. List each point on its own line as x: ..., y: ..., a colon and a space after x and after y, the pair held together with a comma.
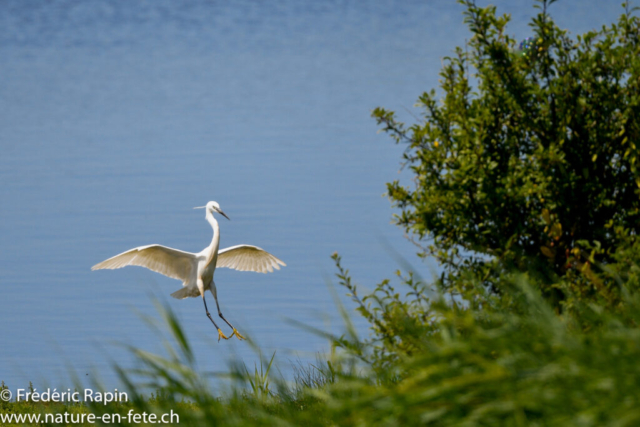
x: 185, y: 293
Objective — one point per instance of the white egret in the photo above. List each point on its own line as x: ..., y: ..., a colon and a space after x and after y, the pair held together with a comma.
x: 196, y: 270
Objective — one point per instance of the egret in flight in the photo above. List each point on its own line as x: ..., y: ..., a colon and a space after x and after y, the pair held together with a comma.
x: 196, y: 270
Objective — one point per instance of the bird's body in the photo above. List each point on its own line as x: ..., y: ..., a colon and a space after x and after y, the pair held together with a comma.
x: 196, y: 270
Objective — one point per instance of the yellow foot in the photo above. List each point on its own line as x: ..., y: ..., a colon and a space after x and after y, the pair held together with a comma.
x: 222, y: 335
x: 237, y: 334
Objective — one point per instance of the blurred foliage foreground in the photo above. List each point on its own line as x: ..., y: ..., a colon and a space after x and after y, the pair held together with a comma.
x: 527, y: 192
x: 428, y: 362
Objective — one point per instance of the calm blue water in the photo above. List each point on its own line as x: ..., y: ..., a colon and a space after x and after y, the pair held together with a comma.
x: 116, y: 118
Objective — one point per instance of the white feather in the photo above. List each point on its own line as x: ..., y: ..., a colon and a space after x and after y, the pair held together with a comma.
x: 248, y: 258
x: 161, y: 259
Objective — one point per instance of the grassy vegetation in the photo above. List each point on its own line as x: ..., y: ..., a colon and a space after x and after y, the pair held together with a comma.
x: 514, y: 361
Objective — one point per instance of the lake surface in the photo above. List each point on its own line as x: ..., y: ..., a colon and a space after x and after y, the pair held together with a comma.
x: 116, y: 118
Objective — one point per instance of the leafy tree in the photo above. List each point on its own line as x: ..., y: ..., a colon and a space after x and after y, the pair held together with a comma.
x: 529, y: 158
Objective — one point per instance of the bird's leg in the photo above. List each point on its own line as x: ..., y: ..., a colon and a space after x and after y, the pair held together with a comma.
x: 215, y: 297
x: 220, y: 334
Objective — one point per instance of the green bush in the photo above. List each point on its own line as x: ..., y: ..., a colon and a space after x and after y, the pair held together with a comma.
x: 530, y: 156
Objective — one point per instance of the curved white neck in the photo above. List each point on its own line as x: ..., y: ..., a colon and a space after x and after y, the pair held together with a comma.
x: 215, y: 241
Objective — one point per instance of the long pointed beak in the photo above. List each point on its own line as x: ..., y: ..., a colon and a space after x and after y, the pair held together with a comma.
x: 224, y: 215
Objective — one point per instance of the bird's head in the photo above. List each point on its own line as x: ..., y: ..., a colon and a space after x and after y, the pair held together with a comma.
x: 213, y: 207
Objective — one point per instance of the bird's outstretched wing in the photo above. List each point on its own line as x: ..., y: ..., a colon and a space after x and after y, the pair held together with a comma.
x: 161, y: 259
x: 248, y: 258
